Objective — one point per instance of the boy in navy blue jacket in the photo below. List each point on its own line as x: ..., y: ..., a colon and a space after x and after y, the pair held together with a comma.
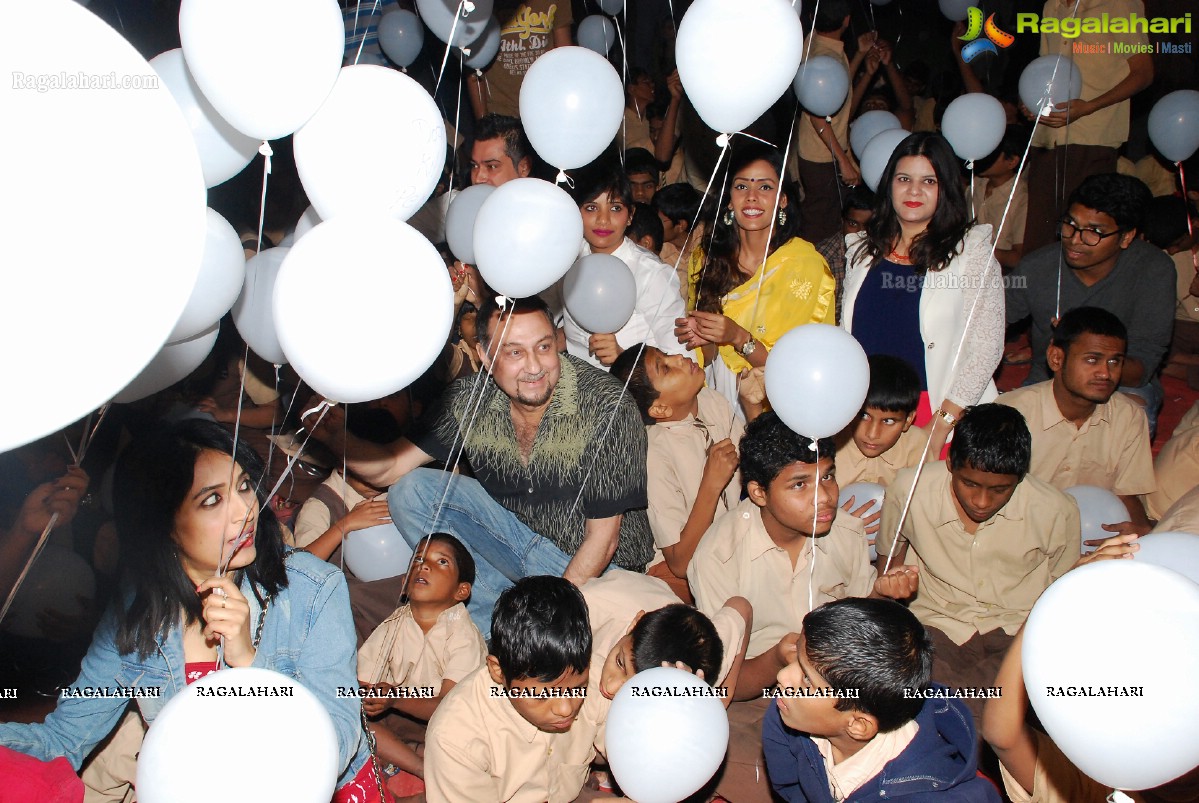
x: 856, y: 717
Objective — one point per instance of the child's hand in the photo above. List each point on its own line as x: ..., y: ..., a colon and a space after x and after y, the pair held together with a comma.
x: 752, y: 387
x: 869, y: 521
x: 604, y: 348
x: 721, y: 464
x: 367, y: 513
x: 699, y: 673
x: 1125, y: 528
x: 227, y: 614
x: 1116, y: 547
x: 375, y: 706
x: 787, y: 649
x: 899, y: 583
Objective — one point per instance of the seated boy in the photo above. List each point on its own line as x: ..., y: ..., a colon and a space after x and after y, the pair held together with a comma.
x: 692, y: 455
x: 645, y: 229
x: 521, y: 728
x: 1176, y: 469
x: 987, y: 541
x: 677, y: 206
x: 1084, y: 432
x: 420, y: 652
x: 886, y: 736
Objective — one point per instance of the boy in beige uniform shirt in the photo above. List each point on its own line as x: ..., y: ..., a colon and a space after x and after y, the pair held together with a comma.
x: 881, y: 441
x: 1084, y: 432
x: 1177, y: 465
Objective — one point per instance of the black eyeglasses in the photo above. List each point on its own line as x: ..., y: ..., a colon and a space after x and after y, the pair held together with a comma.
x: 1092, y: 237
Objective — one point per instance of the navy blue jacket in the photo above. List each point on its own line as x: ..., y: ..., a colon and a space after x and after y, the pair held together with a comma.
x: 939, y: 766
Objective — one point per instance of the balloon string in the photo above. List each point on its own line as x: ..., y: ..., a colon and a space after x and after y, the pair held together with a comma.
x: 1186, y: 205
x: 457, y: 120
x: 89, y: 433
x: 37, y: 550
x: 723, y: 142
x: 362, y: 41
x: 815, y: 515
x: 446, y: 56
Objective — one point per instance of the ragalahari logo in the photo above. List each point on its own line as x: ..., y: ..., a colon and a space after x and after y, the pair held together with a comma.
x: 975, y: 27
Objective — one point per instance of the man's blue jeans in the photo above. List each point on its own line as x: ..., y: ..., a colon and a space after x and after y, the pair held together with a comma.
x: 504, y: 549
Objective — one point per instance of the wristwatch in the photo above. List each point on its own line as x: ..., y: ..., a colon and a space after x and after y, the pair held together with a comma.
x: 949, y: 418
x: 749, y: 347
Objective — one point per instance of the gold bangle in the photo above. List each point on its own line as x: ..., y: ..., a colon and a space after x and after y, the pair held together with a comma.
x: 949, y: 418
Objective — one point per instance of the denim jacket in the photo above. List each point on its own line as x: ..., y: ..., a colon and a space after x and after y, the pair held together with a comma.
x: 307, y: 635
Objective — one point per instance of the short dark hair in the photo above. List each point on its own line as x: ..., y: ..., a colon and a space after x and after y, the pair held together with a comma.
x: 894, y: 385
x: 876, y: 649
x: 629, y: 367
x: 646, y: 224
x: 1166, y: 220
x: 639, y: 160
x: 678, y: 202
x: 830, y: 14
x: 540, y: 629
x: 462, y: 556
x: 509, y: 129
x: 1123, y: 198
x: 1087, y: 321
x: 992, y: 438
x: 1012, y: 143
x: 678, y: 633
x: 490, y: 308
x: 861, y: 198
x: 769, y: 446
x: 598, y: 178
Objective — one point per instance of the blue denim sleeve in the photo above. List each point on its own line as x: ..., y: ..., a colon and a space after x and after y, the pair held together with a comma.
x: 782, y: 764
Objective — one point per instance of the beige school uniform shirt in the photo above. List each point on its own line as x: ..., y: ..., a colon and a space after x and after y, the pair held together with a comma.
x: 977, y: 583
x: 677, y: 453
x: 479, y: 749
x: 1177, y: 465
x: 1111, y: 448
x: 811, y: 147
x: 402, y: 654
x: 738, y: 558
x: 1182, y: 516
x: 615, y: 599
x: 853, y: 466
x: 989, y: 209
x: 1188, y: 305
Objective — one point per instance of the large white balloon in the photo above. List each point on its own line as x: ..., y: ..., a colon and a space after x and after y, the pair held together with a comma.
x: 224, y: 151
x: 863, y: 129
x: 1122, y: 625
x: 390, y: 290
x: 305, y: 224
x: 727, y: 93
x: 1048, y: 81
x: 55, y: 581
x: 1097, y: 507
x: 460, y: 221
x: 600, y: 293
x: 1178, y: 552
x: 225, y: 703
x: 253, y: 313
x: 376, y: 553
x: 176, y: 361
x: 1174, y: 124
x: 571, y: 105
x: 864, y: 493
x: 822, y: 84
x: 222, y: 272
x: 876, y: 154
x: 265, y: 65
x: 649, y: 761
x: 527, y: 235
x: 380, y: 105
x: 597, y: 33
x: 816, y: 379
x: 102, y: 188
x: 974, y: 124
x: 455, y: 22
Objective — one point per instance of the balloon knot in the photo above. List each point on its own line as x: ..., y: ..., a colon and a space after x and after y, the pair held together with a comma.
x: 562, y: 178
x: 969, y: 164
x: 722, y: 141
x: 501, y: 302
x: 828, y: 118
x: 265, y: 149
x: 467, y: 7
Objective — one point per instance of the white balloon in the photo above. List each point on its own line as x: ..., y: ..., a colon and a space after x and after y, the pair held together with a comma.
x: 974, y: 124
x: 379, y: 105
x: 571, y: 105
x: 1174, y: 124
x: 253, y: 313
x: 167, y: 769
x: 376, y: 553
x: 305, y: 224
x: 612, y: 7
x: 710, y: 51
x: 481, y: 51
x: 821, y: 85
x: 1177, y: 552
x: 649, y: 761
x: 1119, y: 623
x: 401, y: 36
x: 955, y: 10
x: 863, y: 129
x: 864, y: 493
x: 460, y: 221
x: 1048, y: 81
x: 265, y: 65
x: 176, y: 361
x: 391, y: 290
x: 1097, y: 507
x: 455, y: 22
x: 598, y: 33
x: 55, y: 579
x: 222, y: 272
x: 876, y: 154
x: 816, y: 379
x: 600, y: 293
x: 527, y: 235
x: 224, y: 151
x: 101, y: 186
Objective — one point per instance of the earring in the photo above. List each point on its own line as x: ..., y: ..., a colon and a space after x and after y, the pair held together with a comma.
x: 728, y: 218
x: 782, y: 217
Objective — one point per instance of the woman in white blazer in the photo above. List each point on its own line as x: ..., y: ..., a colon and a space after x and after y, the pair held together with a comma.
x: 921, y: 283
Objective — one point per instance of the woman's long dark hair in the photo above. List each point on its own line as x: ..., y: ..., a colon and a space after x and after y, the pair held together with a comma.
x: 152, y: 481
x: 721, y: 272
x: 941, y: 240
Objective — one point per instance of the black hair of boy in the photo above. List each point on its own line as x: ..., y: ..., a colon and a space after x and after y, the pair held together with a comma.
x: 1087, y: 321
x: 646, y: 224
x: 509, y: 129
x: 639, y: 160
x: 1166, y: 221
x: 876, y: 649
x: 894, y: 385
x: 462, y: 556
x: 1122, y: 198
x: 629, y: 368
x: 678, y: 633
x: 769, y: 446
x: 993, y: 438
x: 490, y: 308
x: 678, y: 202
x: 830, y: 14
x: 859, y: 198
x: 1012, y: 143
x: 540, y: 630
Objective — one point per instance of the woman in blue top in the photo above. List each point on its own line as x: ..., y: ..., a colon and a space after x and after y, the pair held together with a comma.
x: 184, y: 508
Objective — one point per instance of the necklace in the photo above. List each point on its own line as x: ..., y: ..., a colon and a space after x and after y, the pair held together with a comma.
x: 899, y: 256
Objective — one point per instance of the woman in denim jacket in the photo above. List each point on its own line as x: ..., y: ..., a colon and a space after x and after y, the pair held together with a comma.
x: 183, y: 510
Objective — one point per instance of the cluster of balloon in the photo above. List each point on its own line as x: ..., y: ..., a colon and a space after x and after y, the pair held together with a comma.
x: 1097, y: 507
x: 600, y: 293
x: 167, y: 770
x: 1048, y: 81
x: 1174, y: 125
x: 1109, y: 626
x: 867, y: 125
x: 479, y: 53
x: 821, y: 85
x: 130, y: 193
x: 864, y: 493
x: 816, y: 379
x: 974, y: 124
x: 877, y: 153
x: 458, y: 23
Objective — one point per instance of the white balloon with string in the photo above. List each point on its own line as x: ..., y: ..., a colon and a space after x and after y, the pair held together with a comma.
x: 597, y: 33
x: 817, y: 376
x: 864, y: 494
x: 253, y: 314
x: 571, y: 106
x: 867, y: 125
x: 974, y: 125
x: 1097, y: 507
x: 376, y: 553
x: 483, y: 50
x: 1048, y: 81
x: 460, y: 220
x: 455, y: 22
x: 222, y: 273
x: 876, y: 155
